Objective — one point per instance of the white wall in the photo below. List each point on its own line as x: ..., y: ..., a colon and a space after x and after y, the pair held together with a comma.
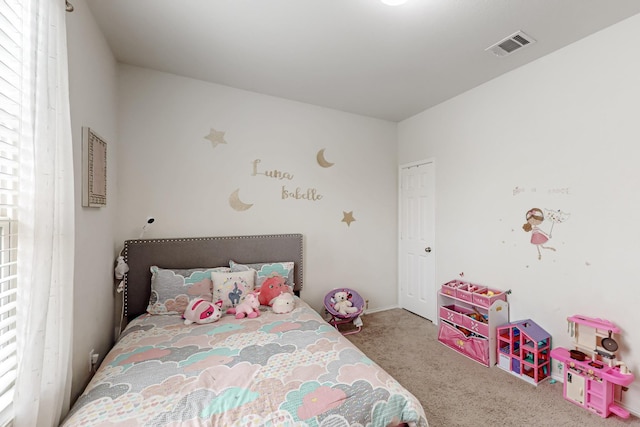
x: 93, y: 90
x: 168, y: 170
x: 560, y: 133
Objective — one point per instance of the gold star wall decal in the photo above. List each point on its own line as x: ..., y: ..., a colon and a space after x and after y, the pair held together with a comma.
x: 216, y: 137
x: 348, y: 217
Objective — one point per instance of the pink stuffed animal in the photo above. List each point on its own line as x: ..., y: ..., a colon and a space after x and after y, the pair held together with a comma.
x: 271, y: 288
x: 249, y: 307
x: 202, y: 311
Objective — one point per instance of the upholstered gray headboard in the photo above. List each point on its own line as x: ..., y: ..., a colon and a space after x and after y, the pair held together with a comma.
x: 194, y: 252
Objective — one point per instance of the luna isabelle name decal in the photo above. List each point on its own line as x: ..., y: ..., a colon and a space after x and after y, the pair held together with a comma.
x: 310, y: 194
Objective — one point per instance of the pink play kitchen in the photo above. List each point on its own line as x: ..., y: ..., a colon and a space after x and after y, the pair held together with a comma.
x: 592, y: 369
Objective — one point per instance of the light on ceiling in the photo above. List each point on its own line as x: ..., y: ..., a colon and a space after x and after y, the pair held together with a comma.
x: 393, y: 2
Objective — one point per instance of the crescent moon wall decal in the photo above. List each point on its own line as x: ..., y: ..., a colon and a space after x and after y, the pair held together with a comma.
x: 236, y: 203
x: 322, y: 161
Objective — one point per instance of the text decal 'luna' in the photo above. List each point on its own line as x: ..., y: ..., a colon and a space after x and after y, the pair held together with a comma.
x: 271, y: 174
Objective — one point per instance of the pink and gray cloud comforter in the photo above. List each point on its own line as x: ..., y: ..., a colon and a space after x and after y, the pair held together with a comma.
x: 275, y: 370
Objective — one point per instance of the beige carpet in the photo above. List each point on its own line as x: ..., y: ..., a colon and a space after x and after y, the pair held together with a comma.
x: 456, y: 391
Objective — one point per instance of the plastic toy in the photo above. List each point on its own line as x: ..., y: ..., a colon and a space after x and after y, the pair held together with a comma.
x: 201, y: 311
x: 592, y: 371
x: 248, y: 308
x: 523, y: 350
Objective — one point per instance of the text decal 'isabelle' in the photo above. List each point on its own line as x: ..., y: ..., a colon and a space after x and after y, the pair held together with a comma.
x: 299, y: 194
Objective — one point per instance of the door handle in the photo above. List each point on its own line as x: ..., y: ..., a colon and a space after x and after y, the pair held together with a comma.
x: 427, y: 249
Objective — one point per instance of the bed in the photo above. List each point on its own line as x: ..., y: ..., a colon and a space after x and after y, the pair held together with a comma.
x: 289, y: 369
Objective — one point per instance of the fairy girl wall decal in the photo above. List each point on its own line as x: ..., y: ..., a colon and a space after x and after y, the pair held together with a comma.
x: 534, y: 218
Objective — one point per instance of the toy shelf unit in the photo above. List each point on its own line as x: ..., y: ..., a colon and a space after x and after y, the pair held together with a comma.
x: 592, y: 372
x: 468, y: 317
x: 524, y: 350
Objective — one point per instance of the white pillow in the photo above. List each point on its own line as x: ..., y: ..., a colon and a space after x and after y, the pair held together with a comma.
x: 232, y: 287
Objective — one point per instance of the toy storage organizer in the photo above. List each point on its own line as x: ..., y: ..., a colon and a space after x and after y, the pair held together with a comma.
x: 524, y: 350
x: 468, y: 317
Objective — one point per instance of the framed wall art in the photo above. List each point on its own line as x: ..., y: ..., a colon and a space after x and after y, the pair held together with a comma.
x: 94, y: 169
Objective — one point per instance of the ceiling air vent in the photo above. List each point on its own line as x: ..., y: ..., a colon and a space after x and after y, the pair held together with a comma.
x: 510, y: 44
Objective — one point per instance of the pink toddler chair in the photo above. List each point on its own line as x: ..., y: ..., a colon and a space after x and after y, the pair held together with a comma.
x: 338, y: 318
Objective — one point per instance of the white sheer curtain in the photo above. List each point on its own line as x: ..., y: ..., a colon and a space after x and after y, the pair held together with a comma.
x: 46, y: 221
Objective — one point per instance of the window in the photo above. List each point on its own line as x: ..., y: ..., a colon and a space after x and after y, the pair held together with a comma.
x: 10, y: 102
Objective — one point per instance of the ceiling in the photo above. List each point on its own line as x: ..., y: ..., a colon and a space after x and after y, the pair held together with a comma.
x: 359, y: 56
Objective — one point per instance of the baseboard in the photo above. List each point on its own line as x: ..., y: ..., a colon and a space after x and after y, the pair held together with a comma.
x: 376, y: 310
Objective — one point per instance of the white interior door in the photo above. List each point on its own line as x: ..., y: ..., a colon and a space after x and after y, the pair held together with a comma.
x: 416, y: 246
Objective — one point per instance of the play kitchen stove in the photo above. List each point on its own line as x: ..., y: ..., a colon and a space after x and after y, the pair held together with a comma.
x: 592, y: 371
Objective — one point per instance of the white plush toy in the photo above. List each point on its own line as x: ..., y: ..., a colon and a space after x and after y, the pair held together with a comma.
x: 121, y: 268
x: 342, y: 304
x: 283, y: 303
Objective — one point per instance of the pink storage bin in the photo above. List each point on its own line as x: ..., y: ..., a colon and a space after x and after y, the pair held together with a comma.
x: 472, y: 347
x: 453, y: 313
x: 482, y: 298
x: 462, y: 288
x: 449, y: 288
x: 466, y: 293
x: 475, y: 326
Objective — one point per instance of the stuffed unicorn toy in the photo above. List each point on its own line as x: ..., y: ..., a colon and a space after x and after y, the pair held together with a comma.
x: 249, y: 307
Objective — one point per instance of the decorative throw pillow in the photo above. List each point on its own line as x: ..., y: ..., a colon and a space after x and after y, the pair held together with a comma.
x: 172, y: 289
x: 232, y: 287
x: 264, y: 270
